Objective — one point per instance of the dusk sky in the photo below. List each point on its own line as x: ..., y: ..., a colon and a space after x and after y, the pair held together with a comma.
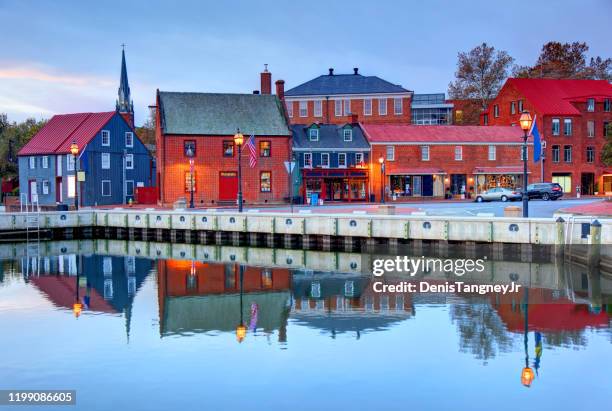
x: 64, y: 56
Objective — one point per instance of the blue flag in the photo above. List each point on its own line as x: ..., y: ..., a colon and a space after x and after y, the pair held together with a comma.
x: 537, y: 144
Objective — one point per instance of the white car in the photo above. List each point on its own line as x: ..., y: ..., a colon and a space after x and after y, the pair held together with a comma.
x: 498, y: 194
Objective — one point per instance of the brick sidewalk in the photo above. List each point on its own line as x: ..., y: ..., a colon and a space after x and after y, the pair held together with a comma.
x: 599, y: 208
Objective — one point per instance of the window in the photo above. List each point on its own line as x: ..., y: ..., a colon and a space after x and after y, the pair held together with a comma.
x: 71, y: 185
x: 358, y: 158
x: 492, y: 152
x: 318, y: 108
x: 606, y: 130
x: 45, y: 187
x: 106, y: 188
x: 459, y: 116
x: 567, y: 154
x: 513, y: 107
x: 425, y: 153
x: 32, y: 160
x: 265, y: 148
x: 265, y: 182
x: 290, y: 108
x: 567, y: 126
x: 307, y: 160
x: 367, y: 107
x: 590, y: 104
x: 495, y: 111
x: 458, y: 153
x: 485, y: 119
x: 348, y: 134
x: 590, y: 154
x: 105, y: 138
x: 556, y: 153
x: 189, y: 148
x: 228, y: 149
x: 556, y: 127
x: 45, y: 161
x: 338, y: 108
x: 390, y: 153
x: 129, y: 161
x: 347, y: 107
x: 382, y: 107
x: 520, y: 106
x: 129, y: 188
x: 189, y: 180
x: 303, y: 108
x: 129, y: 139
x: 590, y: 128
x: 70, y: 162
x: 105, y: 161
x: 313, y: 134
x: 607, y: 104
x: 325, y: 159
x: 397, y: 106
x: 342, y: 160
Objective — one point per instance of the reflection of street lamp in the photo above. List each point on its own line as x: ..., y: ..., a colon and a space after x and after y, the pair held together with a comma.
x: 381, y: 160
x: 190, y: 155
x: 527, y: 374
x: 241, y: 328
x: 74, y: 150
x: 238, y: 140
x: 526, y: 122
x: 77, y: 307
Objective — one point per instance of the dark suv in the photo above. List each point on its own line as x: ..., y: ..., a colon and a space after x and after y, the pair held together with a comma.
x: 545, y: 191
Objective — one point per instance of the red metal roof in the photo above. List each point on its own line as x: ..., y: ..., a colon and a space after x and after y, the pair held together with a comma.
x: 407, y: 133
x: 555, y: 97
x: 59, y: 132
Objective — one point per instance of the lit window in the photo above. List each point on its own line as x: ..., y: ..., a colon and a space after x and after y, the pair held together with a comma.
x: 129, y: 139
x: 367, y: 107
x: 105, y: 138
x: 71, y: 185
x: 303, y: 108
x: 567, y: 126
x: 425, y: 153
x: 492, y: 152
x: 313, y: 134
x: 348, y: 134
x: 591, y: 104
x: 382, y: 107
x: 338, y: 108
x: 307, y: 160
x: 265, y: 148
x: 556, y: 127
x: 397, y: 106
x: 390, y: 153
x: 190, y: 180
x: 129, y: 161
x: 458, y: 153
x: 459, y: 116
x: 358, y: 158
x: 342, y: 160
x: 228, y: 149
x: 325, y: 159
x: 318, y: 108
x: 106, y: 188
x: 105, y: 161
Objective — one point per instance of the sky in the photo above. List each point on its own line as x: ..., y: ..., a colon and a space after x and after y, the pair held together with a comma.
x: 65, y: 56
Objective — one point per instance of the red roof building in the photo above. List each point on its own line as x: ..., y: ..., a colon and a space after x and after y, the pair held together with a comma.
x: 571, y: 116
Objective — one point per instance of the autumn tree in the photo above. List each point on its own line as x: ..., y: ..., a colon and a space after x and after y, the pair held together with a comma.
x: 13, y: 136
x: 480, y: 74
x: 606, y: 154
x: 146, y: 132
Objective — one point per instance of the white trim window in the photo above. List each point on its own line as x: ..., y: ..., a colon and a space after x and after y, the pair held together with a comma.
x: 556, y: 127
x: 512, y: 107
x: 341, y: 160
x: 567, y: 126
x: 338, y: 108
x: 382, y: 106
x: 45, y: 187
x: 520, y: 106
x: 303, y: 108
x: 590, y: 104
x: 313, y: 134
x: 495, y: 111
x: 70, y: 162
x: 45, y: 161
x: 307, y: 160
x: 358, y: 158
x: 398, y: 106
x: 318, y: 108
x: 129, y: 139
x: 492, y: 152
x: 347, y: 134
x: 71, y: 185
x: 290, y: 109
x: 32, y: 162
x: 106, y: 188
x: 424, y: 153
x: 129, y: 161
x: 367, y: 106
x: 458, y: 153
x: 390, y: 153
x: 590, y: 128
x: 105, y: 160
x: 105, y: 138
x: 325, y: 160
x: 347, y: 107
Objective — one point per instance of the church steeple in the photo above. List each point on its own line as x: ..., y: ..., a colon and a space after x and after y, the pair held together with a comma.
x: 125, y: 106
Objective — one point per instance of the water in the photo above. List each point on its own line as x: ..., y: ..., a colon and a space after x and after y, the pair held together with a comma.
x: 162, y: 334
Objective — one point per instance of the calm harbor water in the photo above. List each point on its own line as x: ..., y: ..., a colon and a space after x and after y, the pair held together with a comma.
x: 164, y: 334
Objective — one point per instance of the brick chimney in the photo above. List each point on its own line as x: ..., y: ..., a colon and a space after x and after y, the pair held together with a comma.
x: 354, y: 118
x: 280, y: 89
x: 266, y: 81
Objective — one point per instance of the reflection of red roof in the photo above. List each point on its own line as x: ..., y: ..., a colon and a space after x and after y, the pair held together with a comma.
x: 499, y: 170
x: 61, y: 291
x: 553, y: 317
x: 59, y: 133
x: 406, y: 133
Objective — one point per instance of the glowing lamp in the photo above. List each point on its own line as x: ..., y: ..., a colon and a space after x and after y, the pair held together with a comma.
x: 74, y: 148
x: 238, y: 138
x: 527, y: 376
x: 381, y: 159
x: 77, y: 308
x: 240, y: 332
x: 526, y: 121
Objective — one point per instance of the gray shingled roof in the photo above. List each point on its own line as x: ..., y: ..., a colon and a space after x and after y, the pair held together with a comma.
x: 330, y: 137
x: 222, y: 114
x: 328, y: 85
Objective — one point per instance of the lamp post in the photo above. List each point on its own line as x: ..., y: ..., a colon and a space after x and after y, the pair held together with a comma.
x: 525, y: 122
x: 191, y: 164
x: 381, y: 160
x: 74, y: 150
x: 238, y: 140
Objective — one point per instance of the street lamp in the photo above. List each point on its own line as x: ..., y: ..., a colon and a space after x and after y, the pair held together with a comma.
x: 74, y: 150
x: 191, y: 163
x: 525, y: 122
x: 238, y: 140
x: 381, y: 160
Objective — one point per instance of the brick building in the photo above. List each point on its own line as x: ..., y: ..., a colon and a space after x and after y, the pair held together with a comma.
x: 571, y: 118
x: 204, y: 124
x: 336, y: 98
x: 433, y: 161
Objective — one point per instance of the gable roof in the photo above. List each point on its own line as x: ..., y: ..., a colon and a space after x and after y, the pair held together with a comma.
x: 328, y: 85
x: 555, y: 97
x: 405, y: 133
x: 222, y: 114
x: 59, y: 133
x: 330, y: 137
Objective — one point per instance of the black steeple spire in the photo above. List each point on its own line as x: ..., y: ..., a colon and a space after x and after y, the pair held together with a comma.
x: 124, y: 102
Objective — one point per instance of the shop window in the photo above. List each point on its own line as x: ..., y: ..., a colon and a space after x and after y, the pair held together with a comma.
x: 265, y: 182
x: 228, y: 149
x: 265, y: 148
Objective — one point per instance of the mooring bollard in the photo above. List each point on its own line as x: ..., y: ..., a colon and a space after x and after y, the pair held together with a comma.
x: 559, y: 247
x: 594, y: 246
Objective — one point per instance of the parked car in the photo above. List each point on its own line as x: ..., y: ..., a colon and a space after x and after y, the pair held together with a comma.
x: 498, y: 194
x: 545, y: 191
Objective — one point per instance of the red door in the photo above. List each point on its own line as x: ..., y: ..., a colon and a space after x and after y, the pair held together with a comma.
x: 228, y: 186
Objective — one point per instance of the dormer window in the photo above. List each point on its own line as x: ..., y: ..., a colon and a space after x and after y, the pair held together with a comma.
x: 348, y: 134
x: 313, y: 134
x: 591, y: 104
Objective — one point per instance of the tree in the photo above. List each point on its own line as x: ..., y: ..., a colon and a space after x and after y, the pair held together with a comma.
x: 146, y: 132
x: 13, y: 136
x: 606, y: 154
x: 480, y: 74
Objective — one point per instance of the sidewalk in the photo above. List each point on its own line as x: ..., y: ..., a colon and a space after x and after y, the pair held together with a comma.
x: 599, y: 208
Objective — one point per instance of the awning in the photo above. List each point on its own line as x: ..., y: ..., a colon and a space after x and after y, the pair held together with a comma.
x: 413, y: 171
x: 499, y: 170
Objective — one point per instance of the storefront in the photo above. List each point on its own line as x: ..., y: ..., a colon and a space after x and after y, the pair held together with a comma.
x: 564, y: 180
x: 405, y: 183
x: 606, y: 183
x: 487, y: 178
x: 351, y: 184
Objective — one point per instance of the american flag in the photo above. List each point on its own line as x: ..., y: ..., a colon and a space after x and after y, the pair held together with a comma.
x: 250, y: 144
